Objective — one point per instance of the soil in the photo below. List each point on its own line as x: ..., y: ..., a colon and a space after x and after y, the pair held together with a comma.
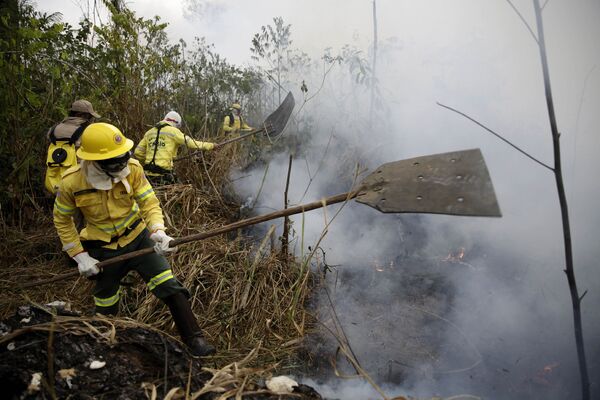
x: 132, y: 357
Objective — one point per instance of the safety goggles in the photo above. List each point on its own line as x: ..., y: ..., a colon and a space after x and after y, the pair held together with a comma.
x: 115, y: 164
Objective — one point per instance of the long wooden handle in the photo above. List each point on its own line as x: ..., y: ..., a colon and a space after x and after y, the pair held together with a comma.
x: 245, y: 135
x: 218, y: 145
x: 214, y: 232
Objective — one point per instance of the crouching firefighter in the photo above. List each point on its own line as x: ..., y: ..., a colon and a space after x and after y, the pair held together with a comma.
x: 122, y: 215
x: 159, y: 146
x: 64, y: 141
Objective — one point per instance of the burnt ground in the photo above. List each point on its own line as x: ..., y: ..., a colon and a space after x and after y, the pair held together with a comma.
x: 36, y: 341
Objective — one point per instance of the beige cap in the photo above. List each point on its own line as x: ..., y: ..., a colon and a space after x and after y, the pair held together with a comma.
x: 84, y: 106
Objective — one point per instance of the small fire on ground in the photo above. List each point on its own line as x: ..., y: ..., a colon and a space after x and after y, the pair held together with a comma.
x: 457, y: 257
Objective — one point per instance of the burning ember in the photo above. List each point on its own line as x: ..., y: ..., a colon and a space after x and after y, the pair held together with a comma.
x: 455, y: 256
x: 543, y: 376
x: 381, y: 267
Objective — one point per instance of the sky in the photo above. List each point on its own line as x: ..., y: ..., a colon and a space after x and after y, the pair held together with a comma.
x: 478, y: 57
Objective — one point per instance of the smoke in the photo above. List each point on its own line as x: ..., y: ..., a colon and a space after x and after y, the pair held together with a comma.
x: 203, y: 9
x: 498, y: 323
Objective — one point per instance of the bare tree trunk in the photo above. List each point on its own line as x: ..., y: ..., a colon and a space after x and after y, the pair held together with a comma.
x: 286, y: 220
x: 575, y: 299
x: 374, y: 63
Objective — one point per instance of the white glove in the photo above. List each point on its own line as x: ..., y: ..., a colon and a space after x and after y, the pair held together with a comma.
x: 162, y: 240
x: 86, y: 264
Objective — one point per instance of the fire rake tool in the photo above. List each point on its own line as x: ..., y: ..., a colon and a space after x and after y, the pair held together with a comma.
x: 273, y: 125
x: 455, y: 183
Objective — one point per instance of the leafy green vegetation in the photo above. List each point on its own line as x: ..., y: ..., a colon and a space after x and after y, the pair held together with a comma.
x: 126, y: 67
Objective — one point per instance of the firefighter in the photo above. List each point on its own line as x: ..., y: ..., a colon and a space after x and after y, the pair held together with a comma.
x: 233, y: 122
x: 122, y: 215
x: 64, y: 141
x: 159, y: 146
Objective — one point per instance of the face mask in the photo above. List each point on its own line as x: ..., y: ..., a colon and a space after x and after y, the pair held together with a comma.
x: 115, y: 164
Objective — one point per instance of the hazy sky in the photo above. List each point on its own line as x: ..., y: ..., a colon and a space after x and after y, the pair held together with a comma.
x: 321, y: 23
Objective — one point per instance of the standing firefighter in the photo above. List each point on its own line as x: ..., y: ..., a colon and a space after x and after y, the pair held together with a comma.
x: 159, y: 147
x: 64, y: 141
x: 233, y: 122
x: 121, y: 210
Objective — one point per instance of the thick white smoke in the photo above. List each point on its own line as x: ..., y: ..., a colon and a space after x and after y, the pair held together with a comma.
x: 505, y: 327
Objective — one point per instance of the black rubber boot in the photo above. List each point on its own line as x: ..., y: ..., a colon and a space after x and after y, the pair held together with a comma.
x: 110, y: 310
x: 188, y: 328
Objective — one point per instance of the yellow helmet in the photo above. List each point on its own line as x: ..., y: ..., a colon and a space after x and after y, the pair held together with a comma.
x: 101, y: 141
x: 236, y: 106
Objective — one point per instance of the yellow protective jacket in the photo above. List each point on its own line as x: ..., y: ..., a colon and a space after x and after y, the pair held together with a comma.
x: 107, y: 213
x: 238, y: 124
x: 169, y: 140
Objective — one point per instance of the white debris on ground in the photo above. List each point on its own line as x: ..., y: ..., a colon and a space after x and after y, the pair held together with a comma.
x: 11, y: 346
x: 67, y: 375
x: 59, y: 306
x: 34, y: 385
x: 281, y: 384
x: 97, y: 364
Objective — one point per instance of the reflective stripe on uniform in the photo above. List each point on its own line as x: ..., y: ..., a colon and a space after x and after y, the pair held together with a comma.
x: 107, y: 302
x: 134, y: 212
x: 144, y: 193
x: 61, y: 208
x: 159, y: 279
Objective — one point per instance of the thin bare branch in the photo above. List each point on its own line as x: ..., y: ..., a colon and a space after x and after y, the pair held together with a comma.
x: 309, y: 98
x: 321, y: 161
x: 576, y: 130
x: 497, y: 135
x: 524, y: 21
x: 544, y: 6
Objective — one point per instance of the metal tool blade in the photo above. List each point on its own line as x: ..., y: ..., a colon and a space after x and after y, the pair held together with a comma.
x: 276, y: 121
x: 455, y: 183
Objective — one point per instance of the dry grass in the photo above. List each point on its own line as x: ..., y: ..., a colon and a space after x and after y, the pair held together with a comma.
x: 242, y: 297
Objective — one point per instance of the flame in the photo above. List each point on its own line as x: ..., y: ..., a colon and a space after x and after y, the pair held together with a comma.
x: 543, y: 376
x: 548, y: 368
x: 455, y: 256
x: 381, y: 267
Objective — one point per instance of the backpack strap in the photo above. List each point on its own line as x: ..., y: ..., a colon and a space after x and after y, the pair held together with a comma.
x: 158, y: 126
x: 52, y: 136
x: 77, y: 134
x: 74, y: 137
x: 231, y: 119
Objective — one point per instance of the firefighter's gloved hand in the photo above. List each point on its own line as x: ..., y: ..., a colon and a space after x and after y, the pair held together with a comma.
x: 86, y: 264
x: 161, y: 239
x: 209, y: 146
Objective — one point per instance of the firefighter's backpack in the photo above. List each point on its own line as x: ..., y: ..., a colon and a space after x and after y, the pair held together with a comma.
x: 61, y: 156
